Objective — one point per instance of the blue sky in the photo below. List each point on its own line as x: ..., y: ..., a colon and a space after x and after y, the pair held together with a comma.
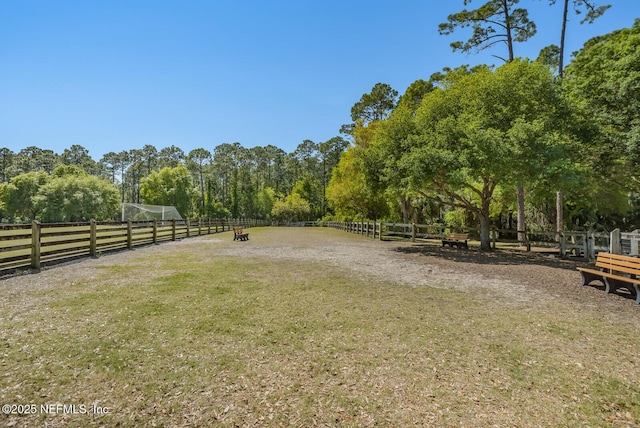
x: 114, y: 75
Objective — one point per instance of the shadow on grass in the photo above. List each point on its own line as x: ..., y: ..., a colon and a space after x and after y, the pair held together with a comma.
x: 501, y: 257
x: 495, y: 257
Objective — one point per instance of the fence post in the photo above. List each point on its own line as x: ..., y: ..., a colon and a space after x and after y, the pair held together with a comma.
x: 35, y: 244
x: 380, y: 231
x: 173, y: 229
x: 615, y: 246
x: 129, y: 235
x: 494, y: 238
x: 635, y: 243
x: 413, y: 232
x: 590, y: 251
x: 93, y: 237
x: 563, y: 247
x: 155, y: 231
x: 188, y: 228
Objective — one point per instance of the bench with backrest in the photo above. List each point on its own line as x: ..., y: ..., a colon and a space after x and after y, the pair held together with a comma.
x: 239, y: 235
x: 457, y: 240
x: 615, y: 271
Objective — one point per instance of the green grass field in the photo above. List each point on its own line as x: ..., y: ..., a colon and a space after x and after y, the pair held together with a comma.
x: 191, y: 337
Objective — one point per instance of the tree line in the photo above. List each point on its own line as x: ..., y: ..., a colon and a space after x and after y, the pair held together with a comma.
x: 229, y: 181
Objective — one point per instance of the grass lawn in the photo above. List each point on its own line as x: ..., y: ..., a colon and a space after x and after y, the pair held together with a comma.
x: 189, y: 337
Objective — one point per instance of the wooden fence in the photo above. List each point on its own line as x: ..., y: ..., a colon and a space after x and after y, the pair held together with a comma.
x: 31, y: 245
x: 579, y: 244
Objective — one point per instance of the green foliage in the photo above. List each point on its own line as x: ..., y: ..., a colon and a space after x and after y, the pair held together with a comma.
x: 265, y: 201
x: 349, y: 192
x: 292, y: 208
x: 479, y: 130
x: 593, y: 11
x: 169, y: 186
x: 217, y: 210
x: 346, y: 187
x: 495, y: 22
x: 77, y: 197
x: 550, y: 56
x: 375, y: 105
x: 309, y: 189
x: 78, y: 156
x: 18, y: 195
x: 604, y: 81
x: 457, y: 219
x: 233, y: 182
x: 68, y: 170
x: 197, y: 161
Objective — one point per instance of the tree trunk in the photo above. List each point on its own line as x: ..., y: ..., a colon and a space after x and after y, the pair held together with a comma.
x: 485, y: 232
x: 507, y: 20
x: 559, y: 212
x: 485, y: 225
x: 522, y: 237
x: 404, y: 204
x: 562, y: 34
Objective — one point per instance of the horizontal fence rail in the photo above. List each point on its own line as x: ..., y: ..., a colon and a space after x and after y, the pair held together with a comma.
x: 579, y: 244
x: 31, y: 245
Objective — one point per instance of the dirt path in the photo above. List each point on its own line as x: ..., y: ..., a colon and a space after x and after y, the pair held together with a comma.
x: 505, y: 275
x: 514, y: 278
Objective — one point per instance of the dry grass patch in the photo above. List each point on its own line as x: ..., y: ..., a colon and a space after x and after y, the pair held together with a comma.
x: 254, y: 341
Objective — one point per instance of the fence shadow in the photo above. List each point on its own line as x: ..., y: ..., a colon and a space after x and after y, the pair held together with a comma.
x: 495, y: 257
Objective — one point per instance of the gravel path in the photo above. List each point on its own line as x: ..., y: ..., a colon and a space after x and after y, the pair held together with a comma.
x: 384, y: 261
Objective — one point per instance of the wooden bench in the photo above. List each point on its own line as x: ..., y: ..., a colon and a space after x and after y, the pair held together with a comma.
x: 615, y: 271
x: 239, y: 235
x: 457, y: 240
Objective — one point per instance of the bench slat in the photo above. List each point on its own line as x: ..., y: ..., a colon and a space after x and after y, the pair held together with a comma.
x: 617, y: 268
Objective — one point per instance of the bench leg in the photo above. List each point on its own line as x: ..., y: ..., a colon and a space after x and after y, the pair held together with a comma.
x: 587, y: 277
x: 612, y: 285
x: 637, y: 290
